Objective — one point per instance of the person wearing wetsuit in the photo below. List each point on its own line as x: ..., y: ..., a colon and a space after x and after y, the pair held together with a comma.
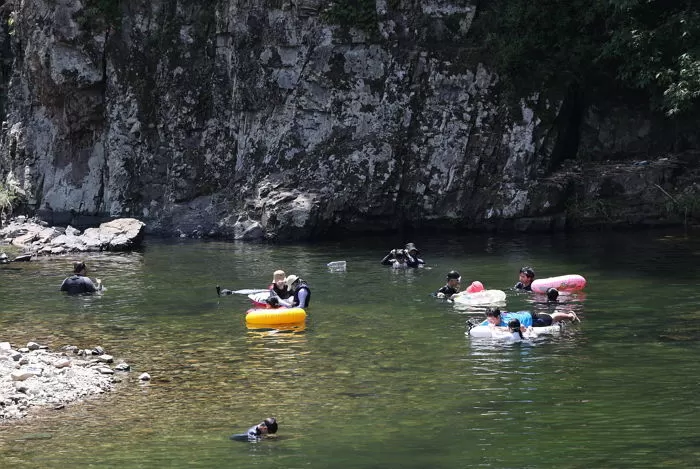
x: 257, y: 432
x: 396, y: 259
x: 79, y: 282
x: 451, y: 287
x: 412, y: 253
x: 527, y: 275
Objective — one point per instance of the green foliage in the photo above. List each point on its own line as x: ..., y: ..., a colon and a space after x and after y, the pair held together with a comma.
x: 100, y: 14
x: 652, y: 45
x: 8, y: 198
x: 360, y: 14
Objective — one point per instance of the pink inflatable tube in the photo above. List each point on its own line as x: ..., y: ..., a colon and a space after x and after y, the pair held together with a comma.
x: 562, y: 283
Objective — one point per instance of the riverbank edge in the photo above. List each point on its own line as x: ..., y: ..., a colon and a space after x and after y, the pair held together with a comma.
x: 34, y: 378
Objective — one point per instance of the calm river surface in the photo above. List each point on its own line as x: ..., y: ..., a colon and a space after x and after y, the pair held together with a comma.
x: 382, y: 375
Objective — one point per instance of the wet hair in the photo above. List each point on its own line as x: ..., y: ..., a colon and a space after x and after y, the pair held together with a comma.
x: 453, y: 275
x: 78, y: 266
x: 552, y: 294
x: 271, y: 424
x: 273, y: 301
x: 528, y: 272
x: 514, y: 326
x: 493, y: 313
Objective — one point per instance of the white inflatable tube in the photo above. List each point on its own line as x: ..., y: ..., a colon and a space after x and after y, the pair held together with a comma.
x: 482, y: 298
x: 488, y: 332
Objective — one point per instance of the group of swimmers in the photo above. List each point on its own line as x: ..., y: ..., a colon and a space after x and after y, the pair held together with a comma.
x: 293, y: 291
x: 520, y: 322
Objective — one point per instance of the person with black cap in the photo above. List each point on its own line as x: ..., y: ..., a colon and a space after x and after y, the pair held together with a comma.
x: 527, y: 275
x: 258, y: 432
x: 451, y: 287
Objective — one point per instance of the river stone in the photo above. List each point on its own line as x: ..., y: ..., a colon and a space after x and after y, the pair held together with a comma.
x: 145, y: 377
x: 33, y: 346
x: 123, y: 367
x: 62, y: 363
x: 5, y: 346
x: 105, y: 370
x: 21, y: 375
x: 70, y: 231
x: 105, y: 358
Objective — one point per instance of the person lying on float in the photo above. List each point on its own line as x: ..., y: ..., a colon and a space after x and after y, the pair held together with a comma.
x: 495, y: 318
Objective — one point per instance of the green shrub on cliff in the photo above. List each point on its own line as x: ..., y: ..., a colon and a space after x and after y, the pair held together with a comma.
x: 100, y: 14
x: 653, y: 46
x: 360, y: 14
x: 8, y: 197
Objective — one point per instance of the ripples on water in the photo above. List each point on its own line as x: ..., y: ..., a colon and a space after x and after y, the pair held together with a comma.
x: 381, y: 373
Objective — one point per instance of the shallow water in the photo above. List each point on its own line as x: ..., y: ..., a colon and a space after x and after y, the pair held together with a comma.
x: 382, y: 374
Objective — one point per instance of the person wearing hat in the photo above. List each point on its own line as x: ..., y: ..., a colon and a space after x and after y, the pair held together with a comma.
x: 412, y: 253
x: 278, y: 288
x: 451, y: 287
x: 527, y: 275
x: 301, y: 293
x: 79, y: 282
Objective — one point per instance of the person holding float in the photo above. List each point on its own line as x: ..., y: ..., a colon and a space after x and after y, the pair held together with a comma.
x: 451, y: 287
x: 526, y: 277
x: 301, y: 293
x: 495, y: 318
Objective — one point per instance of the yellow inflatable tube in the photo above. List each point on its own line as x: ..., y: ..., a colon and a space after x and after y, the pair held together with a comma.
x: 275, y: 316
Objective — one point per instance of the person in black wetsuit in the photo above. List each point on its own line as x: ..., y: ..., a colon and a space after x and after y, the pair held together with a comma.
x: 412, y: 253
x: 257, y: 432
x: 79, y: 282
x: 527, y: 275
x: 451, y: 287
x: 396, y: 258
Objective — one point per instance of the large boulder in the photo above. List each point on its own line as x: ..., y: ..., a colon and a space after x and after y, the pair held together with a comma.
x: 122, y: 234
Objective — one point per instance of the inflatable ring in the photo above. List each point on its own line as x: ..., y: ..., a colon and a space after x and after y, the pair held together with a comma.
x: 486, y: 332
x: 562, y: 283
x: 275, y: 316
x: 481, y: 298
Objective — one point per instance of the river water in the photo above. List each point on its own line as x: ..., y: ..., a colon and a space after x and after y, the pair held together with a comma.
x: 382, y: 375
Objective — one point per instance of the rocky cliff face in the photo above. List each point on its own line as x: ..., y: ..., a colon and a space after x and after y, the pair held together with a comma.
x: 278, y: 119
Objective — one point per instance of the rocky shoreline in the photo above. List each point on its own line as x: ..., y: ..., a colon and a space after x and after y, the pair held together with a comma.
x: 33, y: 377
x: 35, y: 238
